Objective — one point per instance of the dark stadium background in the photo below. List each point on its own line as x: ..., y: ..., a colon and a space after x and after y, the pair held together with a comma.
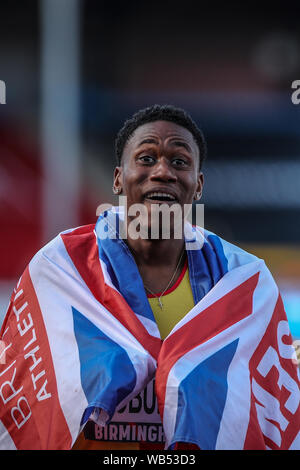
x: 74, y: 70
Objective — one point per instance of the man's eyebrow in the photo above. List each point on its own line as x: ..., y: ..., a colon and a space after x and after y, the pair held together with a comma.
x: 181, y: 143
x: 178, y: 143
x: 148, y: 140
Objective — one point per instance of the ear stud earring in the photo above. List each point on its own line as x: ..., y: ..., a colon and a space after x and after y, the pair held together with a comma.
x: 117, y: 190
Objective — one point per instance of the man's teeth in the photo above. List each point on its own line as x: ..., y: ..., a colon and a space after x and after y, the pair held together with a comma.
x: 158, y: 195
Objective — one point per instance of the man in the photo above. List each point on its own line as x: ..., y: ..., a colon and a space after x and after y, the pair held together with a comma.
x: 159, y: 162
x: 103, y: 310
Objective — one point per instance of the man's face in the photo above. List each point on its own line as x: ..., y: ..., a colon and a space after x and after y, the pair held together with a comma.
x: 160, y: 165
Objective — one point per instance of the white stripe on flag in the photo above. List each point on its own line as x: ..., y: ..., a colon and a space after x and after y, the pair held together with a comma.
x: 6, y: 442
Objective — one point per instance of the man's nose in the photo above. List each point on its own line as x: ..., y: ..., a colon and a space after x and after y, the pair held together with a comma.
x: 163, y: 170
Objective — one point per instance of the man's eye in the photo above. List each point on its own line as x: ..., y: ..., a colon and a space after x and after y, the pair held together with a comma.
x: 146, y: 159
x: 179, y: 162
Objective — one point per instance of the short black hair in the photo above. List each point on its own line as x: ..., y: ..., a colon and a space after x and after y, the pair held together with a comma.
x: 158, y: 112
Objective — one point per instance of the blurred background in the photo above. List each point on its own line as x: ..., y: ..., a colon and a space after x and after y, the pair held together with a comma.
x: 75, y: 70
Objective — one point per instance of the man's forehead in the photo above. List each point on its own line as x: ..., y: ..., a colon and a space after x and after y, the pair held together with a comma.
x: 162, y: 130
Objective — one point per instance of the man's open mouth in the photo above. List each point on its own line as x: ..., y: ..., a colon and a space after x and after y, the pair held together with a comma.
x: 160, y: 197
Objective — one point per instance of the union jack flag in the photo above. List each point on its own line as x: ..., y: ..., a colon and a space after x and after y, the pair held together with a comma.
x: 80, y: 340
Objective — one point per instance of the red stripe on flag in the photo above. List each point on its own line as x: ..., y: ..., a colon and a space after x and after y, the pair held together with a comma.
x: 225, y: 312
x: 82, y: 248
x: 30, y: 407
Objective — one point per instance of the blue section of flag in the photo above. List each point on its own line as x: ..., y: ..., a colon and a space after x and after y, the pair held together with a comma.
x: 206, y: 266
x: 220, y: 263
x: 107, y: 373
x: 110, y: 271
x: 203, y: 393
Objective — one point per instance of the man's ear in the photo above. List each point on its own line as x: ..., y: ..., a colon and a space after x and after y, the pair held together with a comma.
x: 200, y: 185
x: 118, y: 179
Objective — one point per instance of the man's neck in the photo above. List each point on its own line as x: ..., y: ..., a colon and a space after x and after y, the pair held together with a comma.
x: 156, y: 252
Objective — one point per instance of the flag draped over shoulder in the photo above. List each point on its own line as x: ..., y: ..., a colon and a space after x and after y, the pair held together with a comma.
x: 79, y: 340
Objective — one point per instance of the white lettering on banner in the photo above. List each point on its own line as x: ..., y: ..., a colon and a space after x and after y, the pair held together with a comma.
x: 11, y: 388
x: 32, y: 340
x: 141, y: 409
x: 152, y: 434
x: 129, y: 432
x: 27, y: 326
x: 21, y: 411
x: 20, y: 310
x: 16, y: 412
x: 268, y: 407
x: 35, y: 361
x: 19, y: 292
x: 138, y: 420
x: 124, y: 432
x: 271, y: 359
x: 113, y: 430
x: 141, y: 433
x: 36, y: 378
x: 42, y: 393
x: 269, y: 410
